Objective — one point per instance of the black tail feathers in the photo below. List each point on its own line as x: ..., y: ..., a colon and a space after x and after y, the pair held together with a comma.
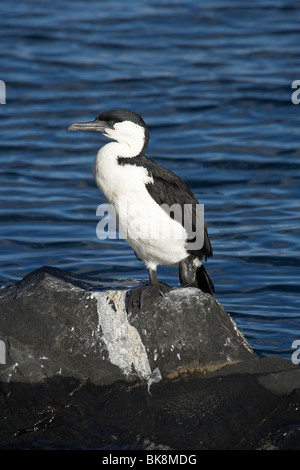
x: 203, y: 281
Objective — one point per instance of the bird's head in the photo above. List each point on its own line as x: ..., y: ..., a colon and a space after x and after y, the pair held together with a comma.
x: 122, y: 125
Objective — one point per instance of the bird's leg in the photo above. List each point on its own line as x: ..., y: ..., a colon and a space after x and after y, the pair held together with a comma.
x: 152, y: 276
x: 137, y: 298
x: 157, y: 287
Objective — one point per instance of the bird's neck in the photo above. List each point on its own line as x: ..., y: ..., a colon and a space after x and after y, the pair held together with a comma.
x: 106, y: 166
x: 113, y: 178
x: 113, y: 150
x: 127, y: 144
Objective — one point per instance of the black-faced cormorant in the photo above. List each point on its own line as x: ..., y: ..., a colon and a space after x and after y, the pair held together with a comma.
x: 137, y: 187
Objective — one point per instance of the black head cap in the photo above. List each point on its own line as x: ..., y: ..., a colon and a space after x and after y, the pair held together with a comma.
x: 119, y: 115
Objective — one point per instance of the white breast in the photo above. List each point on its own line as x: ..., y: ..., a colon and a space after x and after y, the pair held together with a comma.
x: 155, y: 237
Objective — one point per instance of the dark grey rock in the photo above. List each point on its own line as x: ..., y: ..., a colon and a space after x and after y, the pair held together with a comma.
x: 234, y: 408
x: 82, y: 374
x: 56, y: 323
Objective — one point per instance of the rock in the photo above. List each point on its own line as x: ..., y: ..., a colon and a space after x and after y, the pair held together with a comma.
x: 57, y: 323
x: 238, y: 407
x: 82, y: 374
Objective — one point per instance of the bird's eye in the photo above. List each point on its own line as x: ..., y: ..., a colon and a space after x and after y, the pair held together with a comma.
x: 111, y: 123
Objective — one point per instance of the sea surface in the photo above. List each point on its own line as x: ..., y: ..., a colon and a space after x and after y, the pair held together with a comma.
x: 213, y: 81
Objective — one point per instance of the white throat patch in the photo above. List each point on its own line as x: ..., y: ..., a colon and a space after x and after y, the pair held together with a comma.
x: 130, y: 134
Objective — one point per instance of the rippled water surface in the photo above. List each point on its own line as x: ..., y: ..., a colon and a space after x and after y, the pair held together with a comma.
x: 213, y: 81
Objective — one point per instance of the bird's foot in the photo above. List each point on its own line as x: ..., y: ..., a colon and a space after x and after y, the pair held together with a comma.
x: 138, y: 298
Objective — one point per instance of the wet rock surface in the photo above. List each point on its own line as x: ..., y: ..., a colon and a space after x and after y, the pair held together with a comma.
x: 81, y: 373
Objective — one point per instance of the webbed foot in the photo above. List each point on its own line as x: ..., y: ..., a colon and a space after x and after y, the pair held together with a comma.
x: 138, y: 298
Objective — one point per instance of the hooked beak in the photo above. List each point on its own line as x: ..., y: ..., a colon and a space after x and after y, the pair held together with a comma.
x: 97, y: 126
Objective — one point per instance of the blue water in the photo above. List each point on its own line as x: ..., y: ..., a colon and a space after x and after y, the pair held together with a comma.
x: 213, y: 81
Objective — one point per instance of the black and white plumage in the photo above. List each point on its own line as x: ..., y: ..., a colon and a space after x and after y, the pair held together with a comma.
x: 127, y: 178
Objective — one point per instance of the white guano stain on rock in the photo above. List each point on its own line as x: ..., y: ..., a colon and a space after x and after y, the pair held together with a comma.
x: 125, y: 347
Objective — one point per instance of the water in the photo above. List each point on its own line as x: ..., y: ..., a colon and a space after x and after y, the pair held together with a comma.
x: 213, y: 81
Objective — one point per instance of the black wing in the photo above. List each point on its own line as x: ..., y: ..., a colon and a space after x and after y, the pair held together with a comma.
x: 169, y: 189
